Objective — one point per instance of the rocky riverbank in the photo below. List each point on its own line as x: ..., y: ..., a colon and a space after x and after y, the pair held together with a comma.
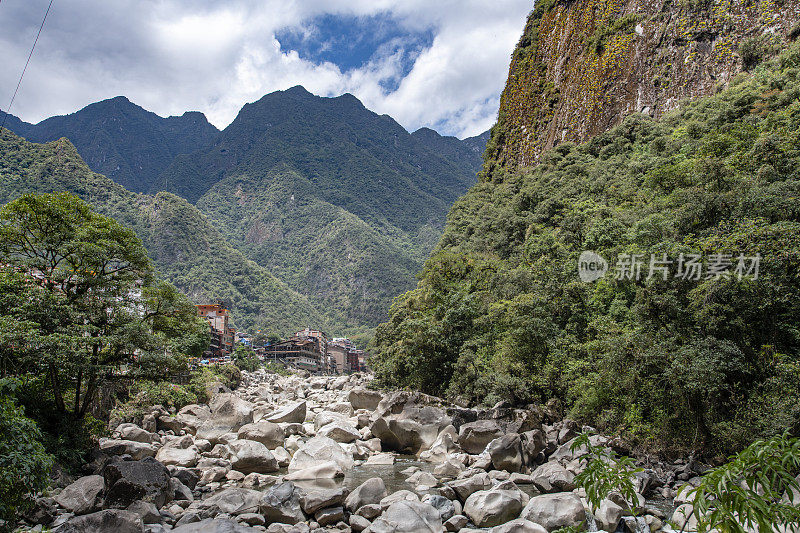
x: 279, y: 455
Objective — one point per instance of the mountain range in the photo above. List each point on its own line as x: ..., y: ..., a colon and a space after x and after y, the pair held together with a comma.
x: 339, y: 203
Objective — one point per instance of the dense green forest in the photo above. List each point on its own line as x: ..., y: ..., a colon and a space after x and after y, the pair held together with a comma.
x: 185, y: 247
x: 709, y: 364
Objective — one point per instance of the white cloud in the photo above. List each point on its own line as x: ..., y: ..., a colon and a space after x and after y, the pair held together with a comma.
x: 170, y: 56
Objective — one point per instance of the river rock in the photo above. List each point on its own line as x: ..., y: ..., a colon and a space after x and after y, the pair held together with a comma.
x: 329, y: 516
x: 520, y: 525
x: 467, y: 486
x: 137, y: 450
x: 251, y: 456
x: 324, y: 470
x: 488, y: 508
x: 312, y: 502
x: 281, y: 504
x: 292, y: 413
x: 182, y: 457
x: 115, y: 520
x: 128, y: 481
x: 372, y: 491
x: 552, y: 477
x: 192, y: 416
x: 474, y: 436
x: 554, y: 511
x: 319, y: 450
x: 445, y: 507
x: 340, y: 431
x: 146, y: 511
x: 267, y: 433
x: 408, y: 517
x: 233, y: 501
x: 608, y: 515
x: 359, y: 523
x: 361, y: 398
x: 228, y: 410
x: 506, y: 452
x: 134, y: 433
x: 213, y: 525
x: 83, y: 496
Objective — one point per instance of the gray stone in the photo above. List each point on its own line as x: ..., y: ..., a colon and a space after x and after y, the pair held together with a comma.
x: 506, y: 453
x: 319, y: 450
x: 83, y: 496
x: 292, y: 413
x: 443, y: 505
x: 553, y: 511
x: 489, y: 508
x: 281, y: 504
x: 358, y: 523
x: 128, y: 481
x: 312, y: 502
x: 212, y: 525
x: 474, y: 436
x: 456, y: 523
x: 329, y: 516
x: 361, y: 398
x: 146, y: 511
x: 105, y: 521
x: 408, y: 517
x: 520, y: 525
x: 251, y: 456
x: 267, y: 433
x: 552, y: 477
x: 137, y: 450
x: 372, y: 491
x: 233, y: 501
x: 465, y: 487
x: 340, y: 431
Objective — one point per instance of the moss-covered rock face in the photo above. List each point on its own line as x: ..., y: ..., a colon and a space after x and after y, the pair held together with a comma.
x: 581, y: 66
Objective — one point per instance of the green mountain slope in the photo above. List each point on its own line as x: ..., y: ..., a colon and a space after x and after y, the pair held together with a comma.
x: 185, y: 247
x: 121, y: 140
x: 342, y: 204
x: 710, y: 364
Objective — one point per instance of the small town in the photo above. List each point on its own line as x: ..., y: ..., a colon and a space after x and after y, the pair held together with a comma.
x: 309, y: 349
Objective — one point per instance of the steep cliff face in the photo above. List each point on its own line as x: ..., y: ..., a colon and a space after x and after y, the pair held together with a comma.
x: 581, y: 66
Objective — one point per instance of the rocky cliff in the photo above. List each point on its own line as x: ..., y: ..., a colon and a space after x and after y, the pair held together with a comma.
x: 583, y: 65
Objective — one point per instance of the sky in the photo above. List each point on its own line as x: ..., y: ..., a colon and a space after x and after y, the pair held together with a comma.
x: 435, y: 63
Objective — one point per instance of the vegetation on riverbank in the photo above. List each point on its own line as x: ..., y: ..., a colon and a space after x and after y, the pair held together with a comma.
x: 709, y: 364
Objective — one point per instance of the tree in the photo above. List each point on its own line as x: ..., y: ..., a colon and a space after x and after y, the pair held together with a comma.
x: 245, y: 358
x: 24, y: 465
x: 82, y: 304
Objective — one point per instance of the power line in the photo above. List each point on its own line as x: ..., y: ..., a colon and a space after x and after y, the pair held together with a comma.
x: 8, y: 109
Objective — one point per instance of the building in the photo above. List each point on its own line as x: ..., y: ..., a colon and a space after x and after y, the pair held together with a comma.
x: 346, y: 356
x: 303, y: 353
x: 222, y: 334
x: 321, y: 338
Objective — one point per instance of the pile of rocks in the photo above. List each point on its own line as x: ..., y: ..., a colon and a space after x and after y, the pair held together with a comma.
x: 271, y: 456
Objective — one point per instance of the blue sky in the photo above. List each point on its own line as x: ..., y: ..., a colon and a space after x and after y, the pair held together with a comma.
x: 440, y: 65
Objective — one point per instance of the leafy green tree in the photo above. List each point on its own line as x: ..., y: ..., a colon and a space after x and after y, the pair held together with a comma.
x: 24, y: 464
x: 245, y: 358
x: 604, y: 473
x: 757, y: 490
x: 83, y: 302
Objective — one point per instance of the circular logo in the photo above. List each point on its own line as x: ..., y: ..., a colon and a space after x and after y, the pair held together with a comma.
x: 591, y: 266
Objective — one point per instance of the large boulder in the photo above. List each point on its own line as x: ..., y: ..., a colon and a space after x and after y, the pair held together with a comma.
x: 489, y: 508
x: 520, y: 525
x: 506, y: 453
x: 445, y: 507
x: 408, y: 517
x: 320, y: 450
x: 534, y: 443
x: 134, y: 433
x: 467, y: 486
x: 213, y: 525
x: 474, y: 436
x: 128, y: 481
x: 228, y: 410
x: 191, y: 416
x: 292, y: 413
x: 372, y: 491
x: 251, y: 456
x: 404, y: 422
x: 115, y: 520
x: 313, y: 501
x: 552, y: 477
x: 83, y: 496
x: 340, y: 431
x: 233, y: 501
x: 361, y: 398
x: 325, y: 470
x: 554, y: 511
x: 281, y: 504
x: 267, y: 433
x: 174, y: 456
x: 137, y: 450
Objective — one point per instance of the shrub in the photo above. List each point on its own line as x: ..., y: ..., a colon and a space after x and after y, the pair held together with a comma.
x: 24, y: 465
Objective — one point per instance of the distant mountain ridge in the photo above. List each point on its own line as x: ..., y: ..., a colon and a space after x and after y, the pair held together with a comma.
x: 340, y: 203
x: 121, y: 140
